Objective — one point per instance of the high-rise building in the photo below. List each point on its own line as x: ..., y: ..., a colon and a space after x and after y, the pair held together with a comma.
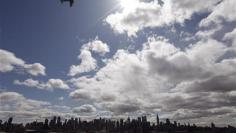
x: 158, y: 122
x: 144, y: 119
x: 167, y: 121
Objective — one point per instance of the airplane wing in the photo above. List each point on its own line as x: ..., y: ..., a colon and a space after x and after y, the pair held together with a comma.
x: 71, y: 3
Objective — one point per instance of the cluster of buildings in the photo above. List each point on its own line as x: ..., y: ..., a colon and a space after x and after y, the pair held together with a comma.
x: 139, y: 125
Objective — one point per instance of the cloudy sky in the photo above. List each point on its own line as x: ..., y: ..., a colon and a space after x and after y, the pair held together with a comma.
x: 119, y: 58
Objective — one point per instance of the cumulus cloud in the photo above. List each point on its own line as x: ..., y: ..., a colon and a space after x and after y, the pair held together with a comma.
x: 162, y: 77
x: 8, y: 62
x: 49, y: 85
x: 219, y: 21
x: 35, y: 69
x: 88, y: 63
x: 97, y: 46
x: 86, y: 108
x: 151, y: 14
x: 57, y: 83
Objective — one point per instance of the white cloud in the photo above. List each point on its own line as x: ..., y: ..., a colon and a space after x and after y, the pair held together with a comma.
x: 153, y: 14
x: 57, y: 83
x: 88, y: 63
x: 49, y: 85
x: 8, y: 62
x: 218, y: 22
x: 162, y: 77
x: 35, y: 69
x: 97, y: 46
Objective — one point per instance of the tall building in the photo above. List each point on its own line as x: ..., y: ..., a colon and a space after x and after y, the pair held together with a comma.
x: 158, y: 122
x: 144, y: 119
x: 167, y: 121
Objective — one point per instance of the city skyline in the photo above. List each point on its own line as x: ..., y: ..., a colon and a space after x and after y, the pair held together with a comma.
x: 101, y: 125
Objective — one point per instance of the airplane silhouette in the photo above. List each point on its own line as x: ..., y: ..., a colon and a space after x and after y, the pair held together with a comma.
x: 71, y: 2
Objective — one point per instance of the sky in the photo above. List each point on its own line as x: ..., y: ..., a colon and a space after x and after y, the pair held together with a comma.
x: 119, y: 58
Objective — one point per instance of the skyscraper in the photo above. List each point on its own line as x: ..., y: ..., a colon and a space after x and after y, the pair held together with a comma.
x: 157, y: 120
